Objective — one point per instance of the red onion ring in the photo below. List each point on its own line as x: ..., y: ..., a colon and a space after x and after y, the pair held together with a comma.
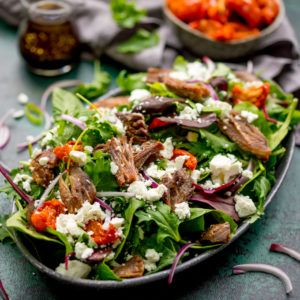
x: 74, y: 121
x: 103, y: 204
x: 286, y: 250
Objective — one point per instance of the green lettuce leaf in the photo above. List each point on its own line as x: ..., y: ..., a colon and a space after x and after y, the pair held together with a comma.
x: 129, y: 82
x: 104, y: 272
x: 63, y: 238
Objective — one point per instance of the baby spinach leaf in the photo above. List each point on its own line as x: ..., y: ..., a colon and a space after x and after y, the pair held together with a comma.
x: 4, y: 231
x: 63, y: 238
x: 140, y: 40
x: 180, y: 63
x: 104, y: 272
x: 125, y: 13
x: 98, y: 86
x: 64, y: 102
x: 129, y: 82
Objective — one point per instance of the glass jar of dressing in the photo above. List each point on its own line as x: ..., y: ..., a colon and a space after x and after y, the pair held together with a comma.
x: 48, y: 41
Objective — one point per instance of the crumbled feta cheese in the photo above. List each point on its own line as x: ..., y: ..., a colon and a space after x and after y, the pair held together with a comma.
x: 225, y: 107
x: 209, y: 185
x: 188, y: 113
x: 79, y: 157
x: 76, y: 269
x: 168, y: 149
x: 182, y: 210
x: 152, y: 257
x: 198, y: 71
x: 109, y: 115
x: 83, y: 118
x: 23, y: 98
x: 88, y: 149
x: 26, y: 186
x: 154, y: 172
x: 180, y: 75
x: 195, y: 175
x: 244, y: 206
x: 82, y: 251
x: 223, y: 168
x: 138, y: 95
x: 43, y: 160
x: 247, y: 173
x: 249, y: 116
x: 177, y: 163
x: 48, y: 137
x: 113, y: 168
x: 117, y: 222
x: 25, y: 180
x: 139, y: 188
x: 18, y: 114
x: 66, y: 224
x: 255, y: 84
x: 89, y: 212
x: 36, y: 152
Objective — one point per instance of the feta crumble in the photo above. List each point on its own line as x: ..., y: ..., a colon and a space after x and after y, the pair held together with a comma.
x: 25, y: 180
x: 82, y: 251
x: 66, y: 224
x: 223, y: 168
x: 88, y: 149
x: 117, y: 222
x: 224, y: 107
x: 89, y: 212
x: 43, y: 161
x: 168, y: 149
x: 195, y: 175
x: 244, y: 206
x: 113, y: 168
x: 247, y: 173
x: 249, y: 116
x: 76, y: 269
x: 78, y: 157
x: 136, y: 96
x: 152, y: 257
x: 18, y: 114
x: 182, y: 210
x: 23, y: 98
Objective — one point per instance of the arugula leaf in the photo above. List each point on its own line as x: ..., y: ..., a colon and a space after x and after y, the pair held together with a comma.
x: 62, y: 237
x: 159, y: 89
x: 140, y: 40
x: 104, y: 272
x: 130, y: 211
x: 129, y: 82
x: 217, y: 141
x: 98, y: 169
x: 18, y: 222
x: 4, y: 231
x: 98, y: 86
x: 125, y: 13
x: 277, y: 137
x: 64, y: 102
x: 167, y: 221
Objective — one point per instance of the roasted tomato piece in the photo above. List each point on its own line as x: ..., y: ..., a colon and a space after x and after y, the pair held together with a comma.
x: 63, y: 152
x: 218, y: 11
x: 191, y: 162
x: 156, y: 123
x: 45, y: 216
x: 269, y: 10
x: 255, y: 94
x: 100, y: 235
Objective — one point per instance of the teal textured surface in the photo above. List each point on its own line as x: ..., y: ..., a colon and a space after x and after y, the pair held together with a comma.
x: 211, y: 280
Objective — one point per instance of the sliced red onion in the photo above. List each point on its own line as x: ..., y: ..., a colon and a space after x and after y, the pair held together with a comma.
x: 217, y: 202
x: 103, y: 204
x: 74, y: 121
x: 209, y: 63
x: 222, y: 188
x: 202, y: 122
x: 286, y: 250
x: 266, y: 115
x: 7, y: 115
x: 154, y: 184
x: 23, y: 195
x: 240, y: 269
x: 212, y: 92
x: 115, y: 194
x: 4, y: 136
x: 99, y: 255
x: 4, y: 293
x: 177, y: 259
x: 59, y: 84
x: 67, y: 259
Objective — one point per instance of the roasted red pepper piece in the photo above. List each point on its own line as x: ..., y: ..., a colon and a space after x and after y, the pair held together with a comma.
x: 100, y: 235
x: 63, y: 152
x: 45, y: 216
x: 156, y: 123
x: 191, y: 162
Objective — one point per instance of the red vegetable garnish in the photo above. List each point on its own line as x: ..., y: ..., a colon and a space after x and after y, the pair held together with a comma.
x: 156, y: 123
x: 100, y: 235
x: 191, y: 162
x: 5, y: 295
x: 45, y: 216
x: 63, y: 152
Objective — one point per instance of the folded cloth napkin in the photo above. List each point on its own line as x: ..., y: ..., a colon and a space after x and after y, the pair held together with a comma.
x: 278, y: 58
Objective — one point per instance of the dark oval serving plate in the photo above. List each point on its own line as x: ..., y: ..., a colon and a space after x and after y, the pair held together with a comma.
x: 24, y: 243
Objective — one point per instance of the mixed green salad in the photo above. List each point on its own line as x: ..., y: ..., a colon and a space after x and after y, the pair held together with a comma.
x: 134, y: 184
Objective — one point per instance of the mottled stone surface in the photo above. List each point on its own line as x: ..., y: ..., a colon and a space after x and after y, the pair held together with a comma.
x: 211, y: 280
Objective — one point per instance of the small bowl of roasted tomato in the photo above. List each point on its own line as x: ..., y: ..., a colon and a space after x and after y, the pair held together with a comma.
x: 224, y: 29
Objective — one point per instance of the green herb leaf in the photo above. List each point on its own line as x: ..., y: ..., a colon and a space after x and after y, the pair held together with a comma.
x: 159, y: 89
x: 129, y: 82
x: 125, y: 13
x: 140, y: 40
x: 34, y: 114
x: 98, y: 86
x: 64, y: 102
x: 104, y: 272
x: 62, y: 237
x: 4, y: 231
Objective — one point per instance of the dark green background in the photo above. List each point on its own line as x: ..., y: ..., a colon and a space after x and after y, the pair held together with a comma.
x: 211, y: 280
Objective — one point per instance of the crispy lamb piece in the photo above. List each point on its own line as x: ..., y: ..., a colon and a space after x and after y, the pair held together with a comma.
x: 112, y: 102
x: 193, y: 91
x: 122, y: 155
x: 217, y: 234
x: 148, y: 153
x: 156, y: 75
x: 81, y: 189
x: 180, y: 188
x: 133, y: 268
x: 245, y: 135
x: 44, y: 174
x: 136, y: 128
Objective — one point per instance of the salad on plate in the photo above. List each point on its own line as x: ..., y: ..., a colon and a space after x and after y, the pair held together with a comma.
x: 167, y: 169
